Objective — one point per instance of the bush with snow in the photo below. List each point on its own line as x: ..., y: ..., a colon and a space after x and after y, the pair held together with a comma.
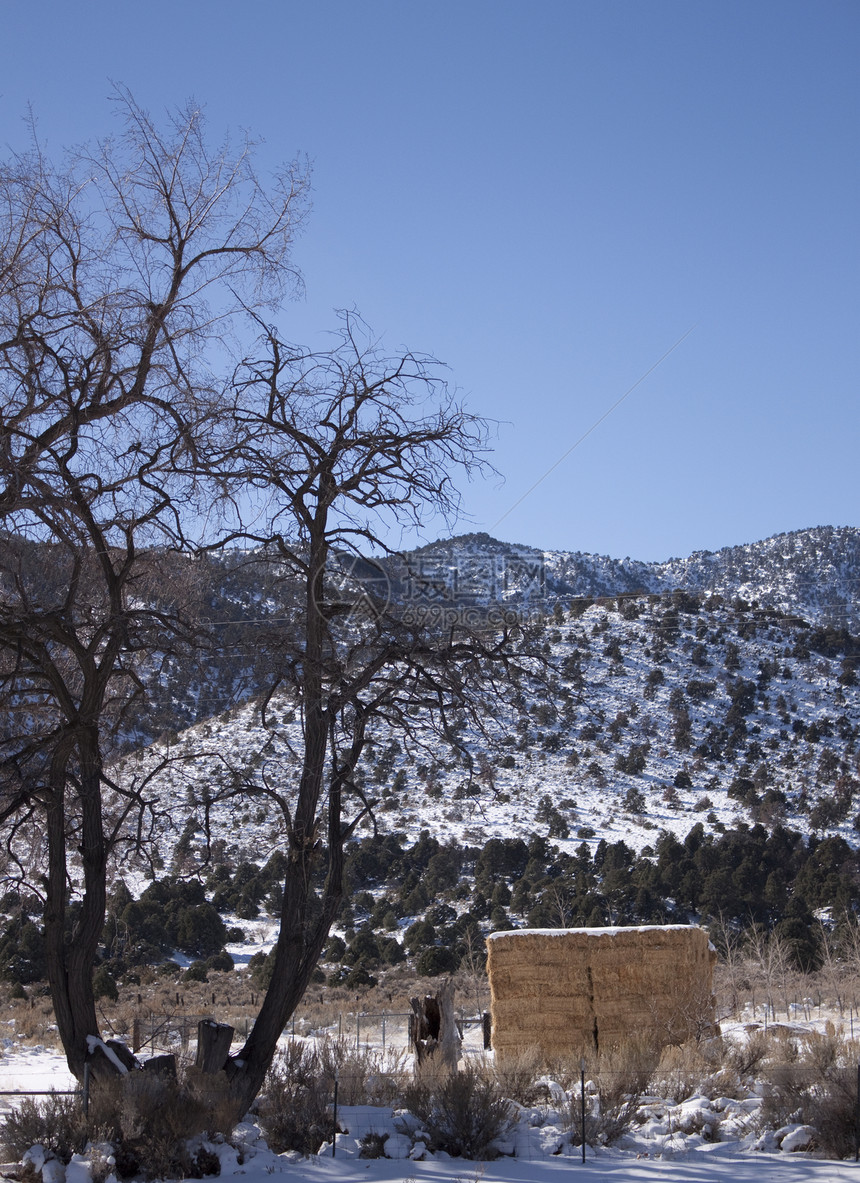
x: 463, y: 1112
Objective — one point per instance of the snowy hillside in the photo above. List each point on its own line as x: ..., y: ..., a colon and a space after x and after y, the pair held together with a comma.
x: 645, y: 718
x: 660, y: 712
x: 813, y: 573
x: 247, y: 605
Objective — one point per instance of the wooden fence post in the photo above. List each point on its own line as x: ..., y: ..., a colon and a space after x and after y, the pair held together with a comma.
x: 213, y: 1045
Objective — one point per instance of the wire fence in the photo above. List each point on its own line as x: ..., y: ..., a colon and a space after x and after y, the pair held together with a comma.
x: 155, y: 1033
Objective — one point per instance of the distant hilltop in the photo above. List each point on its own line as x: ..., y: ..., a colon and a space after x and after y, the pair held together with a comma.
x: 813, y: 573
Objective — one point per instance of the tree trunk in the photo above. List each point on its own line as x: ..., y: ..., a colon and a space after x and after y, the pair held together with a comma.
x: 70, y: 959
x: 298, y: 947
x: 435, y: 1036
x: 296, y: 956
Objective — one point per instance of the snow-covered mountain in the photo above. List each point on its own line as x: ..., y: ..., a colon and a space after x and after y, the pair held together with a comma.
x: 812, y: 573
x: 732, y: 698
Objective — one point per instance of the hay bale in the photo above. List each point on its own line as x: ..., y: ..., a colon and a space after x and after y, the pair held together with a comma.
x: 566, y: 991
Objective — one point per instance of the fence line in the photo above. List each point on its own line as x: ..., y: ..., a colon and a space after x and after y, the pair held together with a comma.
x: 162, y: 1030
x: 39, y: 1092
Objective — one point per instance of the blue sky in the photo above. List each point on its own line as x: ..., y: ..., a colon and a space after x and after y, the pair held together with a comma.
x: 547, y: 196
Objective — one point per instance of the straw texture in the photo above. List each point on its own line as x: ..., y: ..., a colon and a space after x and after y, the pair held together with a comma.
x: 577, y: 991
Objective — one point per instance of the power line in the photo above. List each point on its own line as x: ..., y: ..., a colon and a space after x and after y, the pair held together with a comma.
x: 593, y: 427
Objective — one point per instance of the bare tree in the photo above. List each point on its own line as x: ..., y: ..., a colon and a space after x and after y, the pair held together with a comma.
x: 123, y: 278
x: 832, y: 971
x: 769, y: 959
x: 120, y: 272
x: 342, y: 448
x: 731, y: 971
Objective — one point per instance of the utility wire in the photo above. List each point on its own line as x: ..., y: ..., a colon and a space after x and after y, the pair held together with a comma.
x: 593, y: 427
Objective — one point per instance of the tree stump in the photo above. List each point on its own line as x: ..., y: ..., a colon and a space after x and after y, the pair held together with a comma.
x: 162, y: 1066
x: 108, y: 1060
x: 126, y: 1057
x: 213, y: 1045
x: 434, y: 1034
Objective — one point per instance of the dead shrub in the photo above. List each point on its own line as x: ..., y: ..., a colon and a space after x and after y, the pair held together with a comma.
x: 57, y: 1124
x: 516, y: 1077
x: 365, y: 1075
x: 815, y: 1084
x: 209, y: 1092
x: 157, y: 1116
x: 680, y: 1072
x: 691, y: 1068
x: 463, y: 1112
x: 832, y: 1110
x: 102, y: 1161
x: 786, y: 1090
x: 823, y: 1052
x: 618, y: 1079
x: 294, y: 1107
x: 147, y: 1119
x: 746, y: 1056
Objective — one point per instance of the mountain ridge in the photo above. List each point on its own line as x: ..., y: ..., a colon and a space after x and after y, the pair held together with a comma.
x: 814, y: 571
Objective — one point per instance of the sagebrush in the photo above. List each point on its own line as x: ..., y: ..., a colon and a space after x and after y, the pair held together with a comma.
x: 463, y: 1112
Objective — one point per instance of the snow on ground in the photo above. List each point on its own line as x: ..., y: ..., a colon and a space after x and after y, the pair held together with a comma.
x: 718, y: 1163
x: 32, y: 1070
x: 658, y: 1150
x: 260, y: 937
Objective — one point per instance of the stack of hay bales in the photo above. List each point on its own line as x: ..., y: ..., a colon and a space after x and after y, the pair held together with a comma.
x: 571, y: 992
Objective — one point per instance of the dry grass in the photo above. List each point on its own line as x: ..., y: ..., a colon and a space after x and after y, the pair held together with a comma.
x: 32, y: 1019
x: 617, y: 1080
x: 157, y: 1006
x: 163, y: 1012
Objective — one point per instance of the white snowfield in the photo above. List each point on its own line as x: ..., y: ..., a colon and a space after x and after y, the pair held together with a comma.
x: 31, y: 1069
x: 720, y: 1164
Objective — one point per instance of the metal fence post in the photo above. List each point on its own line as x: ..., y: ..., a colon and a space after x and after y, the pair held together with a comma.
x: 334, y: 1120
x: 582, y: 1100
